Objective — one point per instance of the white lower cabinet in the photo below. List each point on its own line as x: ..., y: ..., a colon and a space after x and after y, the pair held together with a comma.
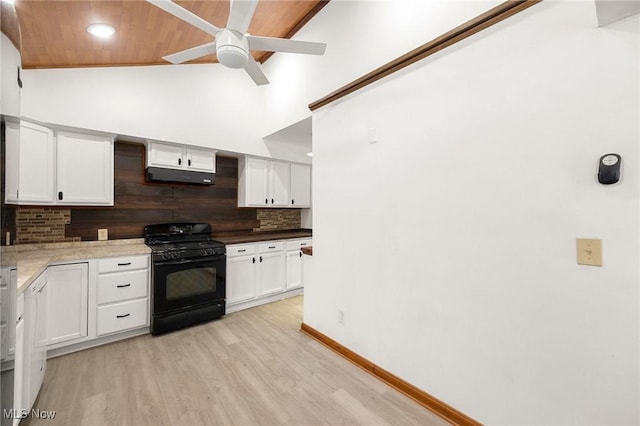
x: 7, y: 312
x: 66, y: 303
x: 271, y: 268
x: 122, y: 316
x: 259, y: 272
x: 294, y: 263
x: 241, y: 278
x: 122, y: 294
x: 19, y: 401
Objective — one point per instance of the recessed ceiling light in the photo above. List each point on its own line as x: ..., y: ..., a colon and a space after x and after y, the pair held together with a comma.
x: 310, y: 154
x: 101, y: 30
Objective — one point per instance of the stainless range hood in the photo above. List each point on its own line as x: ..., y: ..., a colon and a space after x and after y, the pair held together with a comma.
x: 158, y: 174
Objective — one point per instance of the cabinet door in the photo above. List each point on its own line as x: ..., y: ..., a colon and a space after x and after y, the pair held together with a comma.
x: 161, y: 155
x: 270, y: 273
x: 85, y: 169
x: 300, y: 185
x: 278, y: 183
x: 241, y: 279
x: 67, y: 303
x: 18, y: 370
x: 11, y: 167
x: 36, y: 164
x: 201, y: 160
x: 257, y: 182
x: 294, y: 269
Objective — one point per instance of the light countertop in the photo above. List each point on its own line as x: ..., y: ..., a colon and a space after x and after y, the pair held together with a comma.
x: 31, y: 259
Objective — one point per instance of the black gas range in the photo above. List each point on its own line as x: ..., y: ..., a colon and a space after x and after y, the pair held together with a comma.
x: 188, y: 275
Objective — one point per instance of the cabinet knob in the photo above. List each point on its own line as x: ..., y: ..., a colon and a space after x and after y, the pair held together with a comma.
x: 300, y: 254
x: 266, y: 201
x: 254, y: 260
x: 293, y: 202
x: 260, y: 259
x: 189, y: 162
x: 272, y: 201
x: 179, y: 161
x: 60, y: 195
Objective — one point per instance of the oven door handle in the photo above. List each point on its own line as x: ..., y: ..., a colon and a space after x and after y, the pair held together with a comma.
x: 185, y: 261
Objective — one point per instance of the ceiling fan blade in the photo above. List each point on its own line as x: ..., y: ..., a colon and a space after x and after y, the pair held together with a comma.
x: 240, y: 14
x: 272, y: 44
x: 190, y: 54
x: 185, y: 15
x: 253, y: 69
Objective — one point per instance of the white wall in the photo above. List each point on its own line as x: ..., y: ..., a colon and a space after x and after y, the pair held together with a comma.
x: 450, y: 243
x: 9, y: 89
x: 360, y: 36
x: 204, y: 105
x: 209, y: 105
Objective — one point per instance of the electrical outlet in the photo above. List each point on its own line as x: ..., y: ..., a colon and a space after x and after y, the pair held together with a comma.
x: 103, y: 234
x: 340, y: 316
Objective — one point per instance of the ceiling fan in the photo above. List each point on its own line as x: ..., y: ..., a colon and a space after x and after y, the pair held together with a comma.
x: 232, y: 44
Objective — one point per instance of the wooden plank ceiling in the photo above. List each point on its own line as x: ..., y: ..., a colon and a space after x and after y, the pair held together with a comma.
x: 54, y: 31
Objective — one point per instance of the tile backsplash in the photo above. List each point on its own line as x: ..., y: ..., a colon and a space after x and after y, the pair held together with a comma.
x: 278, y: 219
x: 42, y: 225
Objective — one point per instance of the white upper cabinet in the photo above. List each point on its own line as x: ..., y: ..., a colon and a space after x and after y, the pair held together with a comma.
x: 253, y: 185
x: 180, y: 157
x: 279, y: 181
x: 30, y: 156
x: 164, y: 155
x: 45, y: 167
x: 273, y: 183
x: 203, y: 160
x: 85, y: 169
x: 300, y: 185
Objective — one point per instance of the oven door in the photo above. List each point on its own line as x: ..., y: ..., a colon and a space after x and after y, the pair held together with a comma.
x: 185, y: 283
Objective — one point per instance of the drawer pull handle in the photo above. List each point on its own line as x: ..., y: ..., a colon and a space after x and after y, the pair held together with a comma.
x: 272, y: 246
x: 124, y: 264
x: 242, y: 251
x: 123, y: 285
x: 122, y: 316
x: 303, y: 244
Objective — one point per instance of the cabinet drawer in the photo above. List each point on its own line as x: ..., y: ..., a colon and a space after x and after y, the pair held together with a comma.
x: 241, y: 250
x: 298, y: 244
x: 116, y: 264
x: 272, y: 246
x: 122, y: 316
x: 122, y: 286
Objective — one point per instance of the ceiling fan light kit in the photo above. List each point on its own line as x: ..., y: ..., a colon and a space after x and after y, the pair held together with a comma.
x: 232, y: 44
x: 232, y: 51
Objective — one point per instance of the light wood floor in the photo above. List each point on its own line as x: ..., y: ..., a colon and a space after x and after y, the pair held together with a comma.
x: 252, y: 367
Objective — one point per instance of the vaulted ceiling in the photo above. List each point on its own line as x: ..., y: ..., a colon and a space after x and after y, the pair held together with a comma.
x: 53, y: 32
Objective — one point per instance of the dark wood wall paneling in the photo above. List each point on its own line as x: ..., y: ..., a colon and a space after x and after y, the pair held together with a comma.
x: 8, y: 213
x: 138, y: 203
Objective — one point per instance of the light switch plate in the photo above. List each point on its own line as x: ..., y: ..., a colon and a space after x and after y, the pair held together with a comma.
x: 103, y: 235
x: 589, y: 251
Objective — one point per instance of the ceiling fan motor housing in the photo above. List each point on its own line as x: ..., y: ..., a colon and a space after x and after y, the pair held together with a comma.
x: 232, y: 49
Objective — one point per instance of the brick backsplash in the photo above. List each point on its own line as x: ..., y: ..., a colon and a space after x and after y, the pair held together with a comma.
x: 42, y: 225
x: 278, y: 219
